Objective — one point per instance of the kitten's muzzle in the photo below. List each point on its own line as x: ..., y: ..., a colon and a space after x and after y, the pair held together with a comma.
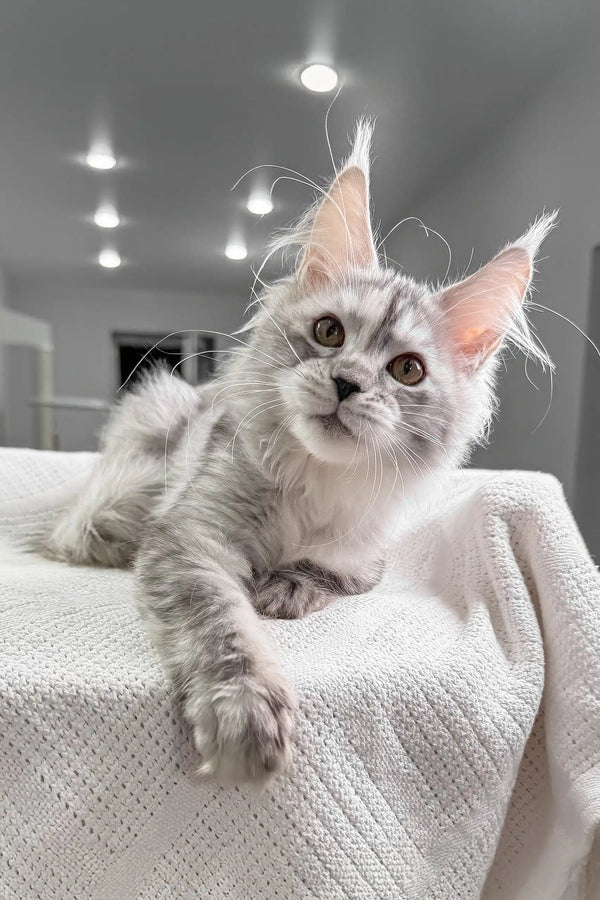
x: 334, y: 424
x: 345, y: 388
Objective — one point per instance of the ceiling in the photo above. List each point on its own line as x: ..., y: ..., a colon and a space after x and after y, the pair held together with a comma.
x: 193, y: 93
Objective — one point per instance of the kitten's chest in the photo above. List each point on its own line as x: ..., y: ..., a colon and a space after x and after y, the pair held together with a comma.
x: 333, y: 527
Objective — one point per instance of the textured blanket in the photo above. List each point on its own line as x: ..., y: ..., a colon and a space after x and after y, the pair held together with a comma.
x: 448, y: 744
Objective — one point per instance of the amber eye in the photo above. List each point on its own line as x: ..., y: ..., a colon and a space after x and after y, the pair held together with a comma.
x: 407, y: 369
x: 329, y: 331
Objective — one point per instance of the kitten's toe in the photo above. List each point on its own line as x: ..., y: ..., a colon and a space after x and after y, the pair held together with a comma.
x: 243, y: 731
x: 287, y: 597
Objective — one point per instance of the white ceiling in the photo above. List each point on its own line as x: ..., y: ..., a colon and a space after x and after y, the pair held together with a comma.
x: 195, y: 92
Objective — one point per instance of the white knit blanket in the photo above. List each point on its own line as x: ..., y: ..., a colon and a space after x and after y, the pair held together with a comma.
x: 448, y: 744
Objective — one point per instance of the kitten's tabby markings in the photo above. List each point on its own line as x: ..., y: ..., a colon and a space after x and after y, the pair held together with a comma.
x: 285, y: 476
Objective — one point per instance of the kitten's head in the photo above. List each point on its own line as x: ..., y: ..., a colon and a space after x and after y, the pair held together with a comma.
x: 367, y: 361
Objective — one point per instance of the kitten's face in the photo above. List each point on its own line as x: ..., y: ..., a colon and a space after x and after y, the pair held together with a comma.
x: 369, y: 365
x: 368, y: 373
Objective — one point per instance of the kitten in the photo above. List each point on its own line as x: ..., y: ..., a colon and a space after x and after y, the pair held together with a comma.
x: 353, y: 389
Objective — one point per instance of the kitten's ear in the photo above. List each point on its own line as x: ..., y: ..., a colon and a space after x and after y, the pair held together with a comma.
x: 340, y: 236
x: 481, y: 309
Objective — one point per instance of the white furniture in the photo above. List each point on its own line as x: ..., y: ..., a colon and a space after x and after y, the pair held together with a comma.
x: 448, y: 740
x: 22, y: 330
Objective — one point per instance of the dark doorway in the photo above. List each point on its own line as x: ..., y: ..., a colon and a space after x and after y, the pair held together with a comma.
x: 191, y: 358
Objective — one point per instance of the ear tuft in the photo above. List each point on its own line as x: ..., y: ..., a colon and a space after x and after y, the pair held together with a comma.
x: 361, y: 147
x: 537, y: 233
x: 340, y: 236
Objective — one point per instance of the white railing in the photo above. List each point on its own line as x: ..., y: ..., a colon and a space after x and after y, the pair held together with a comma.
x: 18, y: 329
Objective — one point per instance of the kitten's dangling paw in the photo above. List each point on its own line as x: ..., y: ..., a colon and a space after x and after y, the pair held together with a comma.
x: 289, y: 596
x: 243, y: 728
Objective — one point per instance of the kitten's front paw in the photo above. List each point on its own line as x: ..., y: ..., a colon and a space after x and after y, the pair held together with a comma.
x: 286, y: 595
x: 243, y: 728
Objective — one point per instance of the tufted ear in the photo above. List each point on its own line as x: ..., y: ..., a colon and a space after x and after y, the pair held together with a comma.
x: 481, y: 309
x: 340, y: 236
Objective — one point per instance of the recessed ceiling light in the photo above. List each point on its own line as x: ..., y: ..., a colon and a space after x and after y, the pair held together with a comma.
x: 319, y: 78
x: 109, y: 259
x: 100, y: 159
x: 106, y: 217
x: 259, y: 204
x: 236, y: 251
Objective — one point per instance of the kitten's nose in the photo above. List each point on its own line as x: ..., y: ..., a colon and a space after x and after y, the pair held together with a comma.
x: 345, y: 388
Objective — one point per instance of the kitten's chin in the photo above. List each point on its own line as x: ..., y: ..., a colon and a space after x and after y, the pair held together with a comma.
x: 325, y: 437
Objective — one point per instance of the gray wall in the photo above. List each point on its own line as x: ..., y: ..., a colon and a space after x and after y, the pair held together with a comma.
x: 547, y: 157
x: 83, y: 320
x: 587, y: 495
x: 3, y: 424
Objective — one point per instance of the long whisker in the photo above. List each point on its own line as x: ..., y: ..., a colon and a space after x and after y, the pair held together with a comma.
x: 194, y: 331
x: 411, y: 454
x: 427, y: 229
x: 327, y: 138
x: 551, y: 397
x: 276, y: 432
x: 536, y: 305
x: 234, y: 351
x: 368, y: 462
x: 250, y: 416
x: 398, y: 474
x: 305, y: 179
x: 399, y: 446
x: 353, y: 455
x: 277, y: 325
x: 424, y: 434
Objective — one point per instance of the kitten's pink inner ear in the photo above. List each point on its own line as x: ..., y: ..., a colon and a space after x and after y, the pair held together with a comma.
x: 341, y: 235
x: 480, y: 308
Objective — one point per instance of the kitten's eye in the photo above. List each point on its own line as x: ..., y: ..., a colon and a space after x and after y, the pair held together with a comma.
x: 407, y: 369
x: 329, y: 331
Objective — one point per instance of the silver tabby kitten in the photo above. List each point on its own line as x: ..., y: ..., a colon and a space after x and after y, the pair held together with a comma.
x: 355, y: 388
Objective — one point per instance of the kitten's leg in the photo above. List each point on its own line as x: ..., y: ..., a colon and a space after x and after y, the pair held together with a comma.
x: 104, y: 524
x: 216, y: 651
x: 304, y: 588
